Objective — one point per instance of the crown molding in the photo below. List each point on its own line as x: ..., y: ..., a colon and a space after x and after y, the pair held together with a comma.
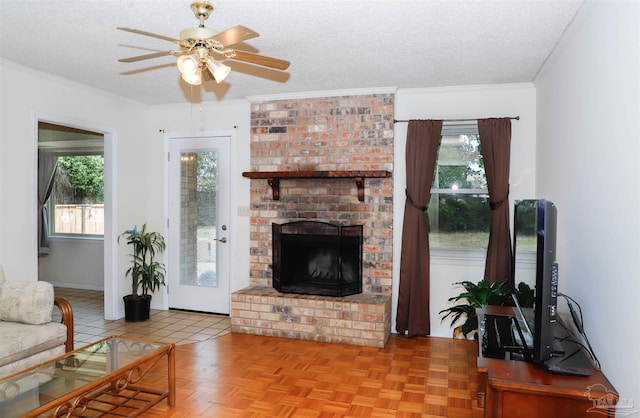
x: 321, y: 94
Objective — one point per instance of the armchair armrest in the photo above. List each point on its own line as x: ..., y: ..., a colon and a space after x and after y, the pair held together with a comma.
x: 67, y: 319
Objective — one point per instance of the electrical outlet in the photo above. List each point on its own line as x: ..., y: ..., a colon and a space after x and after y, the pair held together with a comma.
x: 244, y: 211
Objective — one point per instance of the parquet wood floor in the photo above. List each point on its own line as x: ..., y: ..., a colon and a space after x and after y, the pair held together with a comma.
x: 239, y: 375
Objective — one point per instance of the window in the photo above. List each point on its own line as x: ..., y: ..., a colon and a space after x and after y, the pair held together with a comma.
x: 75, y: 201
x: 76, y: 205
x: 458, y: 212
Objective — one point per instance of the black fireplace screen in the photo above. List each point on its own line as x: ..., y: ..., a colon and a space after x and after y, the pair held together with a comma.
x: 317, y: 258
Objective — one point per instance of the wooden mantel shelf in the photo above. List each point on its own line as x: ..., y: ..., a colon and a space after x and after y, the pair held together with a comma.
x: 273, y: 177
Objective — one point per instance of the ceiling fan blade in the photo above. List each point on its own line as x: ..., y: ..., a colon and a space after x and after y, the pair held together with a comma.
x: 235, y: 35
x: 147, y: 69
x: 153, y: 35
x: 147, y: 56
x: 258, y: 71
x: 261, y: 60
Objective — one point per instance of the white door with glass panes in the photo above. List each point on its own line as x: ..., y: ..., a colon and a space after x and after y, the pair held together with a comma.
x: 198, y: 244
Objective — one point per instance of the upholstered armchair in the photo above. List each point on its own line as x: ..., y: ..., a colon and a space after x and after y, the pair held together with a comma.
x: 28, y: 335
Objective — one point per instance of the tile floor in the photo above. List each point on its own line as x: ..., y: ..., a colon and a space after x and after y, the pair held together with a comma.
x: 179, y: 327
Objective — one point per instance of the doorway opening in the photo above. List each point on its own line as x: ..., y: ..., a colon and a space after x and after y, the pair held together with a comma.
x: 75, y: 218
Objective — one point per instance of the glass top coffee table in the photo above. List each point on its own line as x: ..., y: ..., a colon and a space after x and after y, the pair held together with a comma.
x: 107, y: 378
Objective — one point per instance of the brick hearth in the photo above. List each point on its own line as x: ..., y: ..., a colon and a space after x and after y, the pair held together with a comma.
x: 363, y: 319
x: 348, y: 133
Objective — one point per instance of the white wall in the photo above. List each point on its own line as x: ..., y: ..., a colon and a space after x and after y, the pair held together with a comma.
x: 139, y: 157
x: 27, y: 95
x: 75, y: 263
x: 231, y: 116
x: 589, y: 165
x: 471, y: 102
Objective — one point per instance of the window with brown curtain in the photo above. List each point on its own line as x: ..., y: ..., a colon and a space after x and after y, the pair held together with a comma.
x: 423, y: 141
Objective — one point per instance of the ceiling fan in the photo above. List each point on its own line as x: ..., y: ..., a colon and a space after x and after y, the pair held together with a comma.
x: 202, y: 48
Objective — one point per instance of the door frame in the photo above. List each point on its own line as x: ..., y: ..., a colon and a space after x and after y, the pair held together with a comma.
x: 110, y: 289
x: 168, y: 136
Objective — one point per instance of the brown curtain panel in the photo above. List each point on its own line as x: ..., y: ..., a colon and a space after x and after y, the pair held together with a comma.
x: 495, y: 143
x: 423, y: 140
x: 47, y: 164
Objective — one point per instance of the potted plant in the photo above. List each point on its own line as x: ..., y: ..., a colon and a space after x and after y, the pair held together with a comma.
x: 146, y: 273
x: 483, y: 293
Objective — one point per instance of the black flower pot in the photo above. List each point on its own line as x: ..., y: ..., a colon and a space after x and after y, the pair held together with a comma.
x: 136, y: 309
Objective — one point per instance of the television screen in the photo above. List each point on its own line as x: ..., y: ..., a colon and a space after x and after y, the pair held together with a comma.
x: 535, y: 224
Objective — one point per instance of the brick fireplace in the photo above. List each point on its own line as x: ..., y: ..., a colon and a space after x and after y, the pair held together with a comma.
x: 332, y: 134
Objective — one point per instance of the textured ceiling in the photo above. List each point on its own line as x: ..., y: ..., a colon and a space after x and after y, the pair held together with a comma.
x: 332, y: 45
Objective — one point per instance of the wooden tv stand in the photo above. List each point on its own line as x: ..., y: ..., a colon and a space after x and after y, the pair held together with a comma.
x: 518, y: 389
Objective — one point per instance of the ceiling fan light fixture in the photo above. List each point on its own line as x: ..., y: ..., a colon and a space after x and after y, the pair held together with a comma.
x: 194, y: 79
x: 188, y: 65
x: 218, y: 69
x: 198, y: 47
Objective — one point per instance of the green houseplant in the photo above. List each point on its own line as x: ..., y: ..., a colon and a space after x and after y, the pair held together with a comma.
x: 482, y: 293
x: 147, y: 274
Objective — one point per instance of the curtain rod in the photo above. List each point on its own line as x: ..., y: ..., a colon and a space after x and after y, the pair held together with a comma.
x: 452, y: 120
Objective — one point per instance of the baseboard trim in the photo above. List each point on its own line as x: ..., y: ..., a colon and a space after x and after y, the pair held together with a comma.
x: 77, y: 286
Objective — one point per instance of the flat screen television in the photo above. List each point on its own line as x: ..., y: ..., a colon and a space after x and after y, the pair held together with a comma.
x: 535, y: 224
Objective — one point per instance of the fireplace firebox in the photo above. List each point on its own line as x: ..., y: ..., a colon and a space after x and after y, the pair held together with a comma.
x: 317, y: 258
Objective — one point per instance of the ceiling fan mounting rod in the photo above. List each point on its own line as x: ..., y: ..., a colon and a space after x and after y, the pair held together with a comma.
x: 202, y: 10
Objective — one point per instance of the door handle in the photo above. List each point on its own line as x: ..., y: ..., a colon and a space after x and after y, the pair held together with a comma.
x: 222, y: 240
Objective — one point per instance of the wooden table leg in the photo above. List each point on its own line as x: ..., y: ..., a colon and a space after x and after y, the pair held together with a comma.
x: 171, y: 372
